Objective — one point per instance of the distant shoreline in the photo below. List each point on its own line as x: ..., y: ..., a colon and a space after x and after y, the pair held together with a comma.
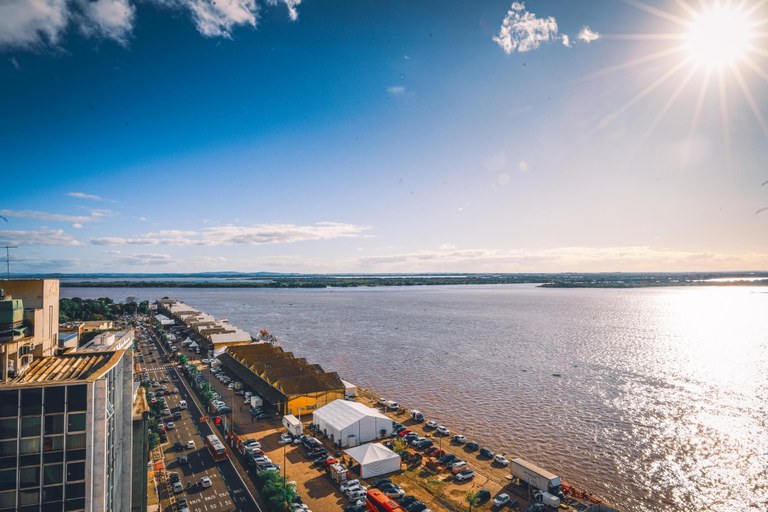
x: 607, y: 280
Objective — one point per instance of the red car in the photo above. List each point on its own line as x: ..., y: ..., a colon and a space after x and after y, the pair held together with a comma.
x: 404, y: 432
x: 434, y: 452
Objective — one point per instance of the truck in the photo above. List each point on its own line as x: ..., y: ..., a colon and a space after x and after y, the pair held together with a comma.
x: 256, y: 401
x: 547, y: 499
x: 535, y: 476
x: 293, y: 424
x: 338, y: 472
x: 417, y: 415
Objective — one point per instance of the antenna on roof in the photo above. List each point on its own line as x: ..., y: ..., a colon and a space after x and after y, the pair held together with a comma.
x: 8, y: 259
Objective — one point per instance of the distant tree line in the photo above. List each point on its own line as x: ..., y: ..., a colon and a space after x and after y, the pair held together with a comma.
x: 78, y: 309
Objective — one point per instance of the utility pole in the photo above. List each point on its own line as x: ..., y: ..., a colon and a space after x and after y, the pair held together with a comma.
x: 8, y: 259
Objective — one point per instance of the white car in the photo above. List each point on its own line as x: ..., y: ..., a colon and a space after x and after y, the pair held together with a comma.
x: 191, y: 444
x: 285, y: 438
x: 349, y: 484
x: 442, y: 430
x: 500, y: 459
x: 430, y: 424
x: 458, y: 438
x: 205, y: 482
x: 501, y: 500
x: 170, y: 425
x: 358, y: 494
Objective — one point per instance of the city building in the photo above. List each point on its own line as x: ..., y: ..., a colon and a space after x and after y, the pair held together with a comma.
x: 65, y: 420
x: 291, y: 385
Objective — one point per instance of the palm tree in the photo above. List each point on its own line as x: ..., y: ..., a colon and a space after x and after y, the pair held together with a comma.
x: 472, y: 499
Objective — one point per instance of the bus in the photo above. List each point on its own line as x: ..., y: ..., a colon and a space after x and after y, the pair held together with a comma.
x: 377, y: 501
x: 216, y: 447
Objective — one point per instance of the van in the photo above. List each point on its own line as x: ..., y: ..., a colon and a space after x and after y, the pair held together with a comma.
x: 182, y: 404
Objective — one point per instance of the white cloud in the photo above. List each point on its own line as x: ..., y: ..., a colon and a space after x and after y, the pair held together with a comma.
x: 396, y: 90
x: 293, y: 14
x: 77, y: 225
x: 30, y: 23
x: 523, y: 165
x: 566, y: 40
x: 587, y: 35
x: 37, y: 23
x: 522, y: 31
x: 242, y: 235
x: 83, y: 195
x: 15, y: 63
x: 56, y: 217
x: 146, y: 259
x: 110, y: 19
x: 42, y: 237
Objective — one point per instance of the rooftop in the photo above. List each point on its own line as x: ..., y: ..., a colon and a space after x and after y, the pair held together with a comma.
x: 68, y: 368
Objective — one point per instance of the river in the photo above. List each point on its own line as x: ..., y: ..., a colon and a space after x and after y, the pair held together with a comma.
x: 655, y: 399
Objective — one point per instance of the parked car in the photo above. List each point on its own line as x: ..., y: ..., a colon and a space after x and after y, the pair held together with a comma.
x: 410, y: 437
x: 501, y: 460
x: 182, y: 460
x: 430, y: 424
x: 173, y: 477
x: 205, y: 482
x: 357, y: 494
x: 355, y: 508
x: 349, y: 484
x: 459, y: 439
x: 417, y: 506
x: 191, y: 445
x: 179, y: 446
x: 170, y: 425
x: 447, y: 459
x: 392, y: 490
x: 443, y: 430
x: 471, y: 446
x: 483, y: 495
x: 381, y: 481
x: 423, y: 444
x: 435, y: 452
x: 467, y: 474
x: 177, y: 415
x: 285, y: 438
x: 404, y: 432
x: 485, y: 452
x: 407, y: 500
x: 177, y: 487
x: 458, y: 465
x: 502, y: 499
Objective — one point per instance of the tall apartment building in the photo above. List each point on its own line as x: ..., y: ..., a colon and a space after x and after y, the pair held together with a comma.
x: 65, y: 421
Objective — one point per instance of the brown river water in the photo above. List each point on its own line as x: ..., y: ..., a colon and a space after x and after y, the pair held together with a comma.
x: 655, y: 399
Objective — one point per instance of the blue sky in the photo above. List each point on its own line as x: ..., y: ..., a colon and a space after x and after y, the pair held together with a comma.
x: 361, y: 136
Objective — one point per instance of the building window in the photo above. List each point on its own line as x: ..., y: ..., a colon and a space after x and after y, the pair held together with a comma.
x: 8, y: 500
x: 31, y: 401
x: 29, y: 477
x: 54, y: 424
x: 9, y: 428
x: 9, y: 403
x: 29, y: 446
x: 30, y: 426
x: 8, y: 448
x: 29, y: 497
x: 75, y: 491
x: 76, y: 422
x: 74, y: 505
x: 75, y: 471
x: 77, y: 397
x: 53, y: 443
x: 53, y: 474
x: 75, y: 441
x: 53, y: 493
x: 54, y: 399
x: 8, y: 480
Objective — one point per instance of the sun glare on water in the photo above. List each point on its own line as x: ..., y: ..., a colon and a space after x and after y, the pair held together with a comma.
x: 718, y: 36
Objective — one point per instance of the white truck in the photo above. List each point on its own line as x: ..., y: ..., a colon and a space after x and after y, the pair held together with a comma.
x: 535, y: 476
x: 547, y: 499
x: 293, y: 424
x: 417, y: 415
x: 256, y: 401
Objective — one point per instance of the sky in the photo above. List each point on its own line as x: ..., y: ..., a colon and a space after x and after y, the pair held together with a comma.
x: 399, y: 136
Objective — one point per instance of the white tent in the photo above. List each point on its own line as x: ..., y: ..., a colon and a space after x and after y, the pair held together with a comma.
x: 351, y: 423
x: 193, y: 345
x: 186, y: 342
x: 375, y: 459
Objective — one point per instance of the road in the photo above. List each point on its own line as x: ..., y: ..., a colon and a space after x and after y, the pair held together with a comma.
x: 228, y: 491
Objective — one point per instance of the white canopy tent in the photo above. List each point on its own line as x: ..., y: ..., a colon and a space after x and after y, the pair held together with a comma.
x: 351, y: 423
x: 193, y: 345
x: 350, y: 390
x: 375, y: 459
x: 187, y: 342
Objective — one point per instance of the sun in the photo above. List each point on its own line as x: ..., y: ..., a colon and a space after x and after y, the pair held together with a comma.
x: 718, y: 36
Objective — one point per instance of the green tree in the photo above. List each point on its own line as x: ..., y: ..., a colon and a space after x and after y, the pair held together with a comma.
x: 472, y: 499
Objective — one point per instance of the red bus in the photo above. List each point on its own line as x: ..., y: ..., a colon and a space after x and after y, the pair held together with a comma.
x: 377, y: 501
x: 216, y: 447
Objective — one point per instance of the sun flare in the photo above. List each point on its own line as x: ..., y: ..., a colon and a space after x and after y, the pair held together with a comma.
x: 718, y: 36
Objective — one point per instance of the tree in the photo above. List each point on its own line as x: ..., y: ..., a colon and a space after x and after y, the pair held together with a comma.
x: 399, y: 445
x: 472, y: 499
